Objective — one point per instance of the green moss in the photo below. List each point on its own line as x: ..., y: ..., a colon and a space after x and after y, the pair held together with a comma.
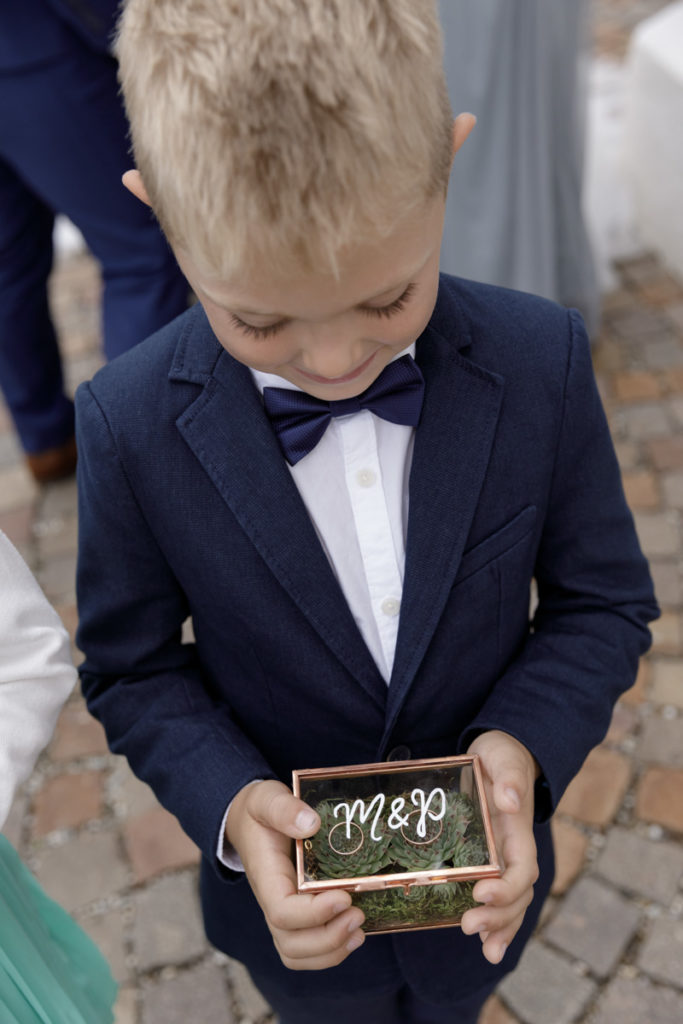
x: 444, y: 903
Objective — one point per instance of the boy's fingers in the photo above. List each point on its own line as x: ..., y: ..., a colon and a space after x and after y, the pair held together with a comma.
x: 490, y: 920
x: 273, y: 805
x: 302, y: 912
x: 328, y: 939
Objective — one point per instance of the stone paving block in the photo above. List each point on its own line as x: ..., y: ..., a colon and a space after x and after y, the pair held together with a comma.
x: 676, y: 409
x: 666, y: 452
x: 595, y: 795
x: 635, y: 386
x: 545, y: 988
x: 641, y: 866
x: 661, y: 954
x: 628, y: 454
x: 57, y: 536
x: 660, y: 292
x: 58, y: 500
x: 641, y: 422
x: 168, y: 925
x: 659, y: 533
x: 594, y: 924
x: 570, y: 853
x: 130, y: 796
x: 667, y: 681
x: 67, y: 801
x: 88, y: 867
x: 77, y: 734
x: 18, y: 524
x: 673, y: 379
x: 672, y: 484
x: 68, y: 613
x: 125, y: 1010
x: 13, y: 827
x: 638, y: 325
x: 108, y: 932
x: 659, y: 353
x: 641, y: 489
x: 638, y: 692
x: 624, y: 722
x: 668, y: 581
x: 658, y: 798
x: 250, y: 1004
x: 675, y: 314
x: 661, y: 741
x: 494, y: 1012
x: 155, y: 842
x: 637, y: 1001
x: 17, y: 488
x: 197, y: 995
x: 667, y: 633
x: 57, y: 577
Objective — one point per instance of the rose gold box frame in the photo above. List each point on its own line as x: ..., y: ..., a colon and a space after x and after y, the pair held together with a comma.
x: 404, y: 879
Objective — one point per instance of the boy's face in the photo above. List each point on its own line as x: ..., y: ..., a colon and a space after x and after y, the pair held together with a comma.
x: 331, y: 336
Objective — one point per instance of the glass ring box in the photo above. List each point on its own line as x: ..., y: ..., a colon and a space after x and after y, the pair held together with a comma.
x: 408, y: 839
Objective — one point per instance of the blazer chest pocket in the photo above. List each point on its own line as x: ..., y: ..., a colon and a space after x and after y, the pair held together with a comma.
x: 496, y: 544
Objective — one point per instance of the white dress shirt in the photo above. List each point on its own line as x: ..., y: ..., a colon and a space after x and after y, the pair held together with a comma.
x: 36, y: 672
x: 354, y: 484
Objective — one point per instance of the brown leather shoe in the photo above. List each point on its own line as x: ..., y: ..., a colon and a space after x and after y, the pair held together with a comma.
x: 53, y: 463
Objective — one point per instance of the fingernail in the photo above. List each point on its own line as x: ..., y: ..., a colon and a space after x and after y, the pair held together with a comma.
x: 306, y: 820
x: 338, y: 908
x: 354, y: 923
x: 486, y: 898
x: 513, y: 797
x: 355, y: 942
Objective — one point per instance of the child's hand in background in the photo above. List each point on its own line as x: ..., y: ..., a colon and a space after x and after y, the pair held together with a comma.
x: 310, y: 931
x: 509, y: 775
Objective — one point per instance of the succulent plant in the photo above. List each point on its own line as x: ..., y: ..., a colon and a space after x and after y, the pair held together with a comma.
x: 444, y: 843
x: 338, y: 855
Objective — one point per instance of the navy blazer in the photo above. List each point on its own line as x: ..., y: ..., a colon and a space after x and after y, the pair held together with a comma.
x: 187, y: 507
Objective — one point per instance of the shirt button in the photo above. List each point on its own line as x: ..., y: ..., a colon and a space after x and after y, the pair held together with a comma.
x: 390, y: 606
x: 366, y: 477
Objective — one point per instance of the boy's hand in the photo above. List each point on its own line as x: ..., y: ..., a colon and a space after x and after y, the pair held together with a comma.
x: 509, y: 775
x: 310, y: 931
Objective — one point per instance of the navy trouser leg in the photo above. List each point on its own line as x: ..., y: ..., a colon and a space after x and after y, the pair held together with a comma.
x: 30, y: 367
x: 64, y: 134
x: 400, y: 1006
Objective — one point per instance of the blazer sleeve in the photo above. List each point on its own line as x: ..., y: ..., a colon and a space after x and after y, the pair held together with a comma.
x: 140, y: 680
x: 595, y: 599
x: 36, y: 672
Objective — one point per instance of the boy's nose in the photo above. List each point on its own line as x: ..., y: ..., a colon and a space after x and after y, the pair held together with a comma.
x: 331, y: 356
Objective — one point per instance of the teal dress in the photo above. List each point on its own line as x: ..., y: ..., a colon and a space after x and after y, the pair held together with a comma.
x: 50, y: 971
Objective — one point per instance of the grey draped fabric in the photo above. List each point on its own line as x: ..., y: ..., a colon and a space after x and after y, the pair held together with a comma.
x: 514, y: 209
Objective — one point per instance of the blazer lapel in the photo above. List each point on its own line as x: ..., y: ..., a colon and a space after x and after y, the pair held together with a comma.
x: 452, y: 449
x: 230, y: 435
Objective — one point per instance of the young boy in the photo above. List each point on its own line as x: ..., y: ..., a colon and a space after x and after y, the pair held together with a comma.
x: 358, y: 575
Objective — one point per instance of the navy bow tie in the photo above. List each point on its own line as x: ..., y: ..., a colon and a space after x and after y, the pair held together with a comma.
x: 300, y: 420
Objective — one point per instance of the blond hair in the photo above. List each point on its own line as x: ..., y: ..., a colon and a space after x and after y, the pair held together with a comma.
x: 290, y: 127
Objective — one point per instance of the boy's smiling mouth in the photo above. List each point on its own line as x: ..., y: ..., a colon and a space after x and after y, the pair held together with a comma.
x: 352, y: 375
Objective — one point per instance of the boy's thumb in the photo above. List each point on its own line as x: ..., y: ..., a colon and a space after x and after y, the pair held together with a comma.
x: 509, y: 789
x: 275, y: 806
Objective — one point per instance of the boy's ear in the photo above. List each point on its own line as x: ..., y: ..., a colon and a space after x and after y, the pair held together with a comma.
x: 462, y: 126
x: 133, y: 181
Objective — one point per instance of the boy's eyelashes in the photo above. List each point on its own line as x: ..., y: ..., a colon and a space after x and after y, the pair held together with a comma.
x: 394, y: 307
x: 379, y: 311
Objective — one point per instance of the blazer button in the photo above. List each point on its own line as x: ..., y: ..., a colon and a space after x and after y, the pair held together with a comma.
x: 399, y: 753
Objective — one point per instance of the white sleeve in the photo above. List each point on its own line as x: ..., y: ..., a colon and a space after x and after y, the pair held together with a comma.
x: 36, y: 672
x: 226, y: 853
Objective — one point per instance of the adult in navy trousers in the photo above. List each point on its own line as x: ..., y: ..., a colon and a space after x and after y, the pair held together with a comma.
x: 63, y: 149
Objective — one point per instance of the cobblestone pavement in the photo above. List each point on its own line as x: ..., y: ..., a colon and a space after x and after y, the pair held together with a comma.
x: 610, y: 946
